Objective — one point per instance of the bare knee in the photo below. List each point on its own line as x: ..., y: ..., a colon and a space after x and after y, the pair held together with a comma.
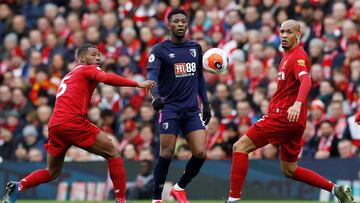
x: 244, y: 145
x: 288, y: 170
x: 167, y: 152
x: 199, y: 153
x: 111, y: 152
x: 54, y: 173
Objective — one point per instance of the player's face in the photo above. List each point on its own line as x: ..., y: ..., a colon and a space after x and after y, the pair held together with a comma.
x: 178, y: 25
x: 289, y: 36
x: 92, y: 56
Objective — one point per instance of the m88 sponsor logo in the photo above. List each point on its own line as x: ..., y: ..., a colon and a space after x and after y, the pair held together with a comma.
x: 184, y: 69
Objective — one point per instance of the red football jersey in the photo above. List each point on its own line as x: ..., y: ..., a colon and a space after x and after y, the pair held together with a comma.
x: 293, y: 65
x: 74, y: 94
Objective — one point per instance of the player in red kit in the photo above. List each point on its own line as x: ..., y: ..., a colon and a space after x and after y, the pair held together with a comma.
x: 285, y: 123
x: 357, y: 117
x: 69, y: 125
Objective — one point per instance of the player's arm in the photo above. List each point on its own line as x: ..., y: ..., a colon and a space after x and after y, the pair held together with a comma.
x: 153, y: 68
x: 202, y: 91
x: 98, y: 75
x: 302, y: 74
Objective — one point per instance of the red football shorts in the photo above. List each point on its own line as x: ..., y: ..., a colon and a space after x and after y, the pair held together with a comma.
x: 278, y: 132
x: 80, y: 133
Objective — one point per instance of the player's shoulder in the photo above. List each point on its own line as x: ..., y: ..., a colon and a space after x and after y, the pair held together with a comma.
x: 300, y: 52
x: 158, y: 47
x: 193, y: 43
x: 300, y: 55
x: 85, y: 69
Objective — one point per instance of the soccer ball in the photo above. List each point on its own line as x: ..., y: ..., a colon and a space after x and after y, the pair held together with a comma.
x: 215, y: 60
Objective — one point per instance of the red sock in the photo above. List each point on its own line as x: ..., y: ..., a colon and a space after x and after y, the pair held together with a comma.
x: 35, y: 178
x: 118, y: 177
x: 239, y: 169
x: 312, y: 178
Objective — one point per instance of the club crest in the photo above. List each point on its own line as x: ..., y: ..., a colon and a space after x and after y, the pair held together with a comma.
x: 193, y: 52
x: 165, y: 125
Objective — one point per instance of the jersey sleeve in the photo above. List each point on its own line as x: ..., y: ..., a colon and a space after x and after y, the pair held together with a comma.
x: 95, y: 73
x: 202, y: 83
x: 90, y: 71
x: 301, y: 72
x: 302, y: 66
x: 153, y: 67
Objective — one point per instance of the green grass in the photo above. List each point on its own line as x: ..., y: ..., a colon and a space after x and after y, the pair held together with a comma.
x: 194, y: 201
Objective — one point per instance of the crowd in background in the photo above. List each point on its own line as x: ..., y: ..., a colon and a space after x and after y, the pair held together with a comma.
x: 39, y: 38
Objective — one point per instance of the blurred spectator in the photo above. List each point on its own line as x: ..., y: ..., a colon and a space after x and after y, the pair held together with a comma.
x: 35, y: 155
x: 338, y: 118
x: 30, y: 137
x: 346, y: 149
x: 183, y: 152
x: 142, y: 186
x: 7, y: 145
x: 217, y: 152
x: 327, y: 141
x: 129, y: 152
x: 145, y: 153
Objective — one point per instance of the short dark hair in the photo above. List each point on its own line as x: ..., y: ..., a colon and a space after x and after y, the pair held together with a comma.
x: 83, y: 49
x: 176, y: 11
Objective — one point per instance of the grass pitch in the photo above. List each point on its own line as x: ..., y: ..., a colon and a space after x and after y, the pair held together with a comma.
x: 194, y: 201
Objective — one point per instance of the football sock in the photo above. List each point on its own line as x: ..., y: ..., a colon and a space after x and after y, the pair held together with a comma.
x: 35, y: 178
x: 192, y: 168
x: 312, y: 178
x: 118, y: 176
x: 160, y: 173
x: 239, y: 170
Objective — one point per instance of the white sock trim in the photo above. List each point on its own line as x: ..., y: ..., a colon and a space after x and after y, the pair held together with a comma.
x: 333, y: 190
x: 177, y: 187
x: 156, y: 200
x: 233, y: 199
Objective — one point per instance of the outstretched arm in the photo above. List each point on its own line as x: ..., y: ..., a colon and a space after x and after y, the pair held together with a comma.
x: 305, y: 86
x: 114, y: 80
x: 95, y: 73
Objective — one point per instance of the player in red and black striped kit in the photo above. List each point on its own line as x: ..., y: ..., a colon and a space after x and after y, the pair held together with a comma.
x: 285, y: 123
x: 69, y: 125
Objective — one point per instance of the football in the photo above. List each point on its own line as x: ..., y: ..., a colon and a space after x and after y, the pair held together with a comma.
x: 215, y: 60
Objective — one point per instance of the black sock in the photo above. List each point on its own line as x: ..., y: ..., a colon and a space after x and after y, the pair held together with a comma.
x: 160, y: 172
x: 192, y: 169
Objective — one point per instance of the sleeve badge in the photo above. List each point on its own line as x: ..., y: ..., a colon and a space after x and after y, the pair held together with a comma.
x: 301, y: 62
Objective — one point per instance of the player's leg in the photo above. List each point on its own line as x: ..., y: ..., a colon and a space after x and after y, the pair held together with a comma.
x: 167, y: 147
x: 240, y: 158
x: 104, y: 147
x: 56, y: 152
x: 169, y: 129
x: 197, y: 142
x: 289, y: 151
x: 35, y: 178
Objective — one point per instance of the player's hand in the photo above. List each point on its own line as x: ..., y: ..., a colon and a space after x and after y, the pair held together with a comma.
x: 206, y: 113
x: 148, y: 84
x: 157, y: 103
x: 294, y: 112
x: 357, y: 117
